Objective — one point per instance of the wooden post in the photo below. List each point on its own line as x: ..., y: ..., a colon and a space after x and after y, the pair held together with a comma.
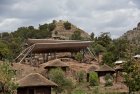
x: 43, y: 57
x: 30, y: 58
x: 47, y: 57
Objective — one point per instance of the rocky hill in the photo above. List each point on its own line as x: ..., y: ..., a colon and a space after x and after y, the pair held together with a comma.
x: 62, y: 32
x: 133, y: 35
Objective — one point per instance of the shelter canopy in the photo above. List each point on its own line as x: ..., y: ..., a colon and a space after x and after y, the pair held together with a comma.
x: 48, y: 46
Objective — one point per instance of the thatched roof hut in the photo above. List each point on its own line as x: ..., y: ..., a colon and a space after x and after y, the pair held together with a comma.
x: 105, y: 68
x: 91, y: 69
x: 35, y: 79
x: 35, y: 83
x: 57, y: 63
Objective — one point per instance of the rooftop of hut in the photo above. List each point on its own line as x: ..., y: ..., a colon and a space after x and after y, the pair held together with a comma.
x: 104, y: 68
x: 55, y: 63
x: 35, y: 79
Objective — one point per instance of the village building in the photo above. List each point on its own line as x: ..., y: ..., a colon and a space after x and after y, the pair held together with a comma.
x: 57, y: 63
x: 118, y: 69
x: 35, y: 83
x: 47, y: 48
x: 137, y: 56
x: 119, y: 62
x: 103, y: 71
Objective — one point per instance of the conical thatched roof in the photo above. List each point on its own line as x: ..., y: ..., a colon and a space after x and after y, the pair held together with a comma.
x: 55, y: 63
x: 35, y: 79
x: 91, y: 69
x: 105, y: 68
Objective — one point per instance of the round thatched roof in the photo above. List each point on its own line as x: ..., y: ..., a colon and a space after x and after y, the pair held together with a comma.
x: 105, y: 68
x: 55, y: 63
x: 35, y: 79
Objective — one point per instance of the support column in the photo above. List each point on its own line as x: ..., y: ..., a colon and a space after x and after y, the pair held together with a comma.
x: 31, y: 59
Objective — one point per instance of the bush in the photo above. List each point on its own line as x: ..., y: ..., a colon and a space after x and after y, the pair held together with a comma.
x: 79, y: 57
x: 93, y: 79
x: 79, y: 92
x: 76, y: 35
x: 67, y: 25
x: 109, y: 80
x: 80, y: 76
x: 57, y: 76
x: 7, y: 75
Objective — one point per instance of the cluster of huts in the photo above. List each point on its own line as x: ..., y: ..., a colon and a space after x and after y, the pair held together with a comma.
x: 35, y: 83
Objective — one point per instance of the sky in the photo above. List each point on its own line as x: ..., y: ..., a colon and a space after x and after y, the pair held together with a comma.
x: 114, y: 16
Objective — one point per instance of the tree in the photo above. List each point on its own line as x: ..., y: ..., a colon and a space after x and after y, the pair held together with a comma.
x: 132, y: 75
x: 7, y: 84
x: 57, y: 76
x: 67, y: 25
x: 92, y: 36
x: 97, y: 49
x: 109, y: 58
x: 93, y: 79
x: 4, y: 50
x: 51, y: 26
x: 104, y: 39
x: 76, y: 35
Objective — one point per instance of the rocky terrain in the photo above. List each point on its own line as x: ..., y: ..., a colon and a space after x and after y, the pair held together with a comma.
x: 66, y: 34
x: 133, y: 35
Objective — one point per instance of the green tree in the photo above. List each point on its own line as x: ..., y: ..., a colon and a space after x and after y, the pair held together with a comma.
x: 7, y: 84
x: 109, y: 58
x: 97, y: 49
x: 76, y: 35
x: 93, y: 79
x: 104, y: 39
x: 67, y: 25
x: 132, y: 75
x: 57, y: 76
x: 4, y: 50
x: 92, y: 36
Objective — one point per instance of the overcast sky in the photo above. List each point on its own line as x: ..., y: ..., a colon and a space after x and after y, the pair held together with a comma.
x: 114, y: 16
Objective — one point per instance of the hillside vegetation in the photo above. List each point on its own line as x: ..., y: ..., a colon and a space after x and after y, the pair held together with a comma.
x: 11, y: 44
x: 133, y: 36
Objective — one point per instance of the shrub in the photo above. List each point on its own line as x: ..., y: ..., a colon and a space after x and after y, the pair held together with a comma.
x: 57, y: 76
x: 109, y: 80
x: 67, y: 25
x: 76, y: 35
x: 79, y: 92
x: 7, y: 75
x: 93, y: 79
x: 80, y: 76
x: 79, y: 57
